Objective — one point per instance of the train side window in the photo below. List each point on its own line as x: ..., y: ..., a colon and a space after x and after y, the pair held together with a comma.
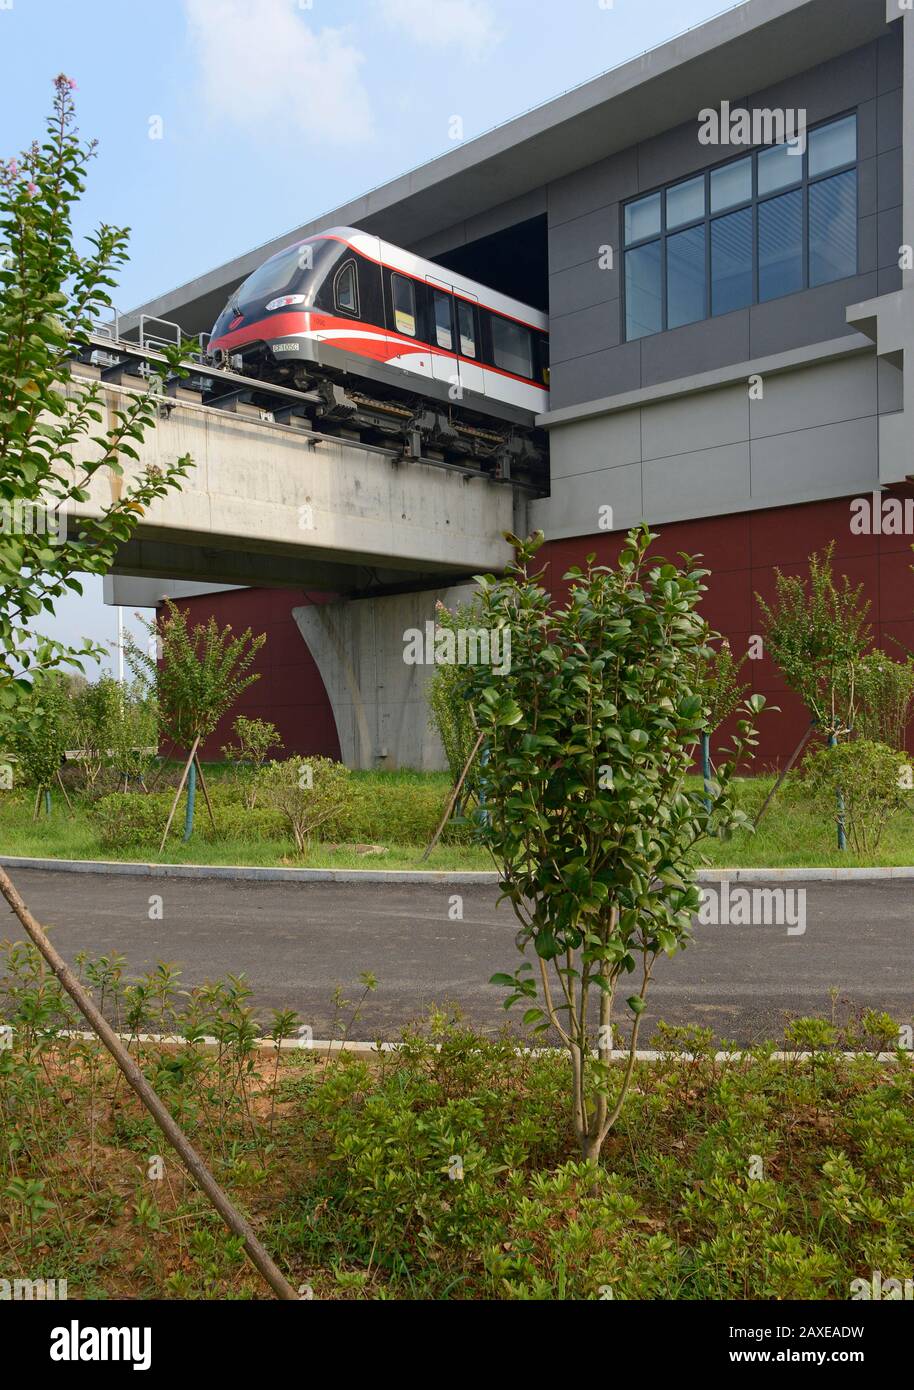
x: 512, y: 347
x: 346, y: 289
x: 403, y: 297
x: 441, y: 308
x: 466, y: 327
x: 544, y: 360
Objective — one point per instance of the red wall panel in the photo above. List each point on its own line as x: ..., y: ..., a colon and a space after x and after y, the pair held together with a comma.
x: 290, y: 692
x: 742, y: 552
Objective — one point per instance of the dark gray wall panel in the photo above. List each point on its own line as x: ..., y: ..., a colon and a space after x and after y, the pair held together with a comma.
x: 600, y: 374
x: 581, y: 286
x: 578, y: 336
x: 889, y: 121
x: 597, y: 186
x: 815, y: 316
x: 699, y: 347
x: 889, y: 237
x: 890, y: 60
x: 572, y: 243
x: 889, y: 180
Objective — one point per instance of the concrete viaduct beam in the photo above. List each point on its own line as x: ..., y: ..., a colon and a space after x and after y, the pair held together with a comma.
x: 267, y: 504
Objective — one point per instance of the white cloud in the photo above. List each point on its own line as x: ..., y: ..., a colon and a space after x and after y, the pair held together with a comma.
x: 467, y: 24
x: 264, y: 71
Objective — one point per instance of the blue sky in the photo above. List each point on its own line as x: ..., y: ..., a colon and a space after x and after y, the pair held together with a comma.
x: 269, y: 112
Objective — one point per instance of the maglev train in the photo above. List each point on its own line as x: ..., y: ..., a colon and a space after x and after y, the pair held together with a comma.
x: 343, y: 306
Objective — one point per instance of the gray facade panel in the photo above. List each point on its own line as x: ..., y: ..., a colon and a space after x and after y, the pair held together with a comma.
x: 891, y: 387
x: 704, y: 422
x: 593, y: 446
x: 867, y: 142
x: 814, y: 316
x: 608, y: 181
x: 578, y: 242
x: 699, y: 347
x: 713, y: 480
x: 832, y: 460
x: 889, y: 121
x: 889, y: 180
x: 889, y: 279
x: 867, y: 245
x: 889, y: 237
x: 868, y: 188
x: 587, y: 332
x: 576, y: 508
x: 792, y: 401
x: 890, y: 61
x: 582, y: 286
x: 825, y: 90
x: 601, y: 374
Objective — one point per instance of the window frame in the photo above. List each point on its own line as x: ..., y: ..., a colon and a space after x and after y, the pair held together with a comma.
x: 350, y: 263
x: 803, y: 185
x: 494, y: 317
x: 435, y: 292
x: 416, y: 335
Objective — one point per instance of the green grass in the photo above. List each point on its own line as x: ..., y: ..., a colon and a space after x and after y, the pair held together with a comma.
x: 344, y: 1165
x: 399, y: 810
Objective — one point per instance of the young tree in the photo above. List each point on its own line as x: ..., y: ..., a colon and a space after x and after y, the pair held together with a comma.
x: 817, y: 633
x: 51, y: 294
x: 592, y: 735
x: 718, y: 679
x: 198, y: 676
x: 40, y: 741
x: 449, y: 714
x: 257, y: 739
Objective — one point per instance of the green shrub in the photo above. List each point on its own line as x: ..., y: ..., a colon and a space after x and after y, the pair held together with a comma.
x: 871, y: 779
x: 308, y: 793
x: 398, y: 811
x: 131, y: 820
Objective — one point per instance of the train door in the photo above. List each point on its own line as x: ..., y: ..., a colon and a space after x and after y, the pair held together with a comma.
x: 454, y: 320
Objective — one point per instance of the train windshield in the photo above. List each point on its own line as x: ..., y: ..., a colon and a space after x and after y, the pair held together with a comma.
x: 275, y: 276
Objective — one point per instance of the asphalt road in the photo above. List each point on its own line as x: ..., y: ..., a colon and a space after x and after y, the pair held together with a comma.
x: 296, y: 942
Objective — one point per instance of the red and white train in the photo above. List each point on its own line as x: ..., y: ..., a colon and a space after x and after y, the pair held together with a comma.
x: 343, y: 306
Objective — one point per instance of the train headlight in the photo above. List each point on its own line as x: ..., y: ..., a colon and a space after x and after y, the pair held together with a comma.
x: 284, y: 300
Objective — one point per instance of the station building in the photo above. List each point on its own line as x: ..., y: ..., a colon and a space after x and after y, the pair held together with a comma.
x: 720, y: 232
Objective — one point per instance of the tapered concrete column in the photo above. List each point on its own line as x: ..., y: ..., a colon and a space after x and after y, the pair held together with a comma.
x: 379, y: 702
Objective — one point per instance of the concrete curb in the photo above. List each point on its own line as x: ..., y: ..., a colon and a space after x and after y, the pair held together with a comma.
x: 369, y: 1049
x: 252, y: 874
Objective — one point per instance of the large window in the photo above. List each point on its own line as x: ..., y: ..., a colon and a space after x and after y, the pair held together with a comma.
x: 751, y: 230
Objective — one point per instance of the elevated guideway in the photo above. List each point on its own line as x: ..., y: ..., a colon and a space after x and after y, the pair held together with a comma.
x: 273, y: 501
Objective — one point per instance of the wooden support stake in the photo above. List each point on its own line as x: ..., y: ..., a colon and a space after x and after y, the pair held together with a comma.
x: 793, y: 757
x: 204, y: 789
x: 174, y: 804
x: 64, y: 790
x: 198, y: 1170
x: 454, y: 795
